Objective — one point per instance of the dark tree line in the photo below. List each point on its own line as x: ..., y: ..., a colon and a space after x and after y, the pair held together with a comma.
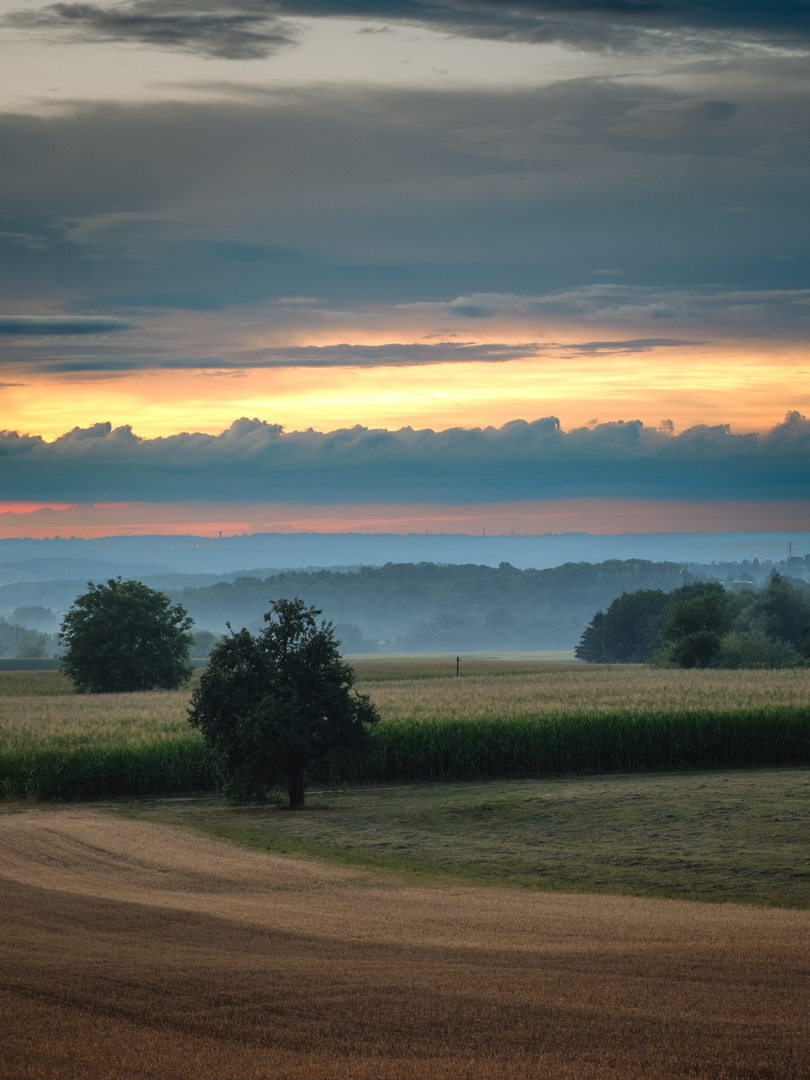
x: 700, y: 624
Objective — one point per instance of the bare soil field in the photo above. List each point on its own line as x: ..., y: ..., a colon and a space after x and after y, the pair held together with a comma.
x: 135, y: 949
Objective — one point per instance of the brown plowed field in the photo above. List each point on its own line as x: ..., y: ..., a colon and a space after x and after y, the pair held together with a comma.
x: 137, y: 950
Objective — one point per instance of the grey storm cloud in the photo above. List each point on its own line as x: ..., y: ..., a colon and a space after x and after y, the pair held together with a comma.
x: 406, y: 195
x: 236, y: 31
x: 251, y: 29
x: 316, y: 152
x: 778, y: 16
x: 59, y: 325
x: 258, y: 461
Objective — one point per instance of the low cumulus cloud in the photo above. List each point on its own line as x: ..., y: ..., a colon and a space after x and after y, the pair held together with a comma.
x: 259, y: 461
x: 254, y: 29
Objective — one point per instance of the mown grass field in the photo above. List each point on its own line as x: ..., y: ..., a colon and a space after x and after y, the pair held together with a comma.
x: 737, y: 836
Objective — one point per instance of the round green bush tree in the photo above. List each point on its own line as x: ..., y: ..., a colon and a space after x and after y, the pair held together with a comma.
x: 124, y: 636
x: 273, y: 705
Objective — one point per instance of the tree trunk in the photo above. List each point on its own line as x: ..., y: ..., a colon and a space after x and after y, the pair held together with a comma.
x: 296, y: 791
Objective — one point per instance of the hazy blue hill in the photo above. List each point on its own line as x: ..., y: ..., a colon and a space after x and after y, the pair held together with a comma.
x: 424, y: 606
x: 57, y: 568
x: 519, y: 592
x: 195, y: 555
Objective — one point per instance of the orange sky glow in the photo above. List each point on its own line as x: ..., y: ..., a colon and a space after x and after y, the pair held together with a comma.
x: 749, y: 395
x: 604, y: 516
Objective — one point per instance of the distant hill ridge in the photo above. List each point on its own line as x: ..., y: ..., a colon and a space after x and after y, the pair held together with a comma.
x: 406, y: 605
x: 196, y: 554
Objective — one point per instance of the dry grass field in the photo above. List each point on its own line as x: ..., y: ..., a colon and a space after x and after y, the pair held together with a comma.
x: 139, y: 950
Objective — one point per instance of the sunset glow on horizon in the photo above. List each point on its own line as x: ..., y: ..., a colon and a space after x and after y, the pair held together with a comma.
x: 698, y: 386
x: 557, y: 516
x: 269, y: 244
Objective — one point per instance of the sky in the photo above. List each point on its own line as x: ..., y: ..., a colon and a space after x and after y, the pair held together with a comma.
x: 404, y: 265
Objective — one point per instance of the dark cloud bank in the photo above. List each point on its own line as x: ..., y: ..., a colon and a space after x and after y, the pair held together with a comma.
x: 257, y: 461
x: 377, y: 196
x: 59, y: 325
x: 235, y: 31
x: 253, y: 29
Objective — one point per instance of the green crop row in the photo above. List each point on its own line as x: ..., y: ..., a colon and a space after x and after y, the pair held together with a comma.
x: 168, y: 767
x: 421, y: 750
x: 551, y: 746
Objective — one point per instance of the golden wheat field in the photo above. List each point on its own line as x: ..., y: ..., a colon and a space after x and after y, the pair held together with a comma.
x: 38, y: 707
x: 139, y: 950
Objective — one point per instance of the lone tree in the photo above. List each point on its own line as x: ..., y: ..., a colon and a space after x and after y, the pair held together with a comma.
x: 272, y: 705
x: 124, y: 636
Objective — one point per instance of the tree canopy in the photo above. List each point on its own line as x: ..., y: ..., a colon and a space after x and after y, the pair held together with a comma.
x: 700, y: 624
x: 694, y: 626
x: 124, y: 636
x: 273, y: 704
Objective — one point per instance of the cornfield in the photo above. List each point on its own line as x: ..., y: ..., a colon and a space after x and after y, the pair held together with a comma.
x: 56, y: 745
x: 501, y: 722
x: 159, y: 768
x: 585, y: 742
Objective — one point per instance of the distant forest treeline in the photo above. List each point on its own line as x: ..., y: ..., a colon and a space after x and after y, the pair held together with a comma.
x: 401, y: 607
x: 404, y: 607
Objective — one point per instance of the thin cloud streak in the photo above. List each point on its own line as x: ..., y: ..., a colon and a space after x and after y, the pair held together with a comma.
x: 391, y: 355
x: 59, y: 325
